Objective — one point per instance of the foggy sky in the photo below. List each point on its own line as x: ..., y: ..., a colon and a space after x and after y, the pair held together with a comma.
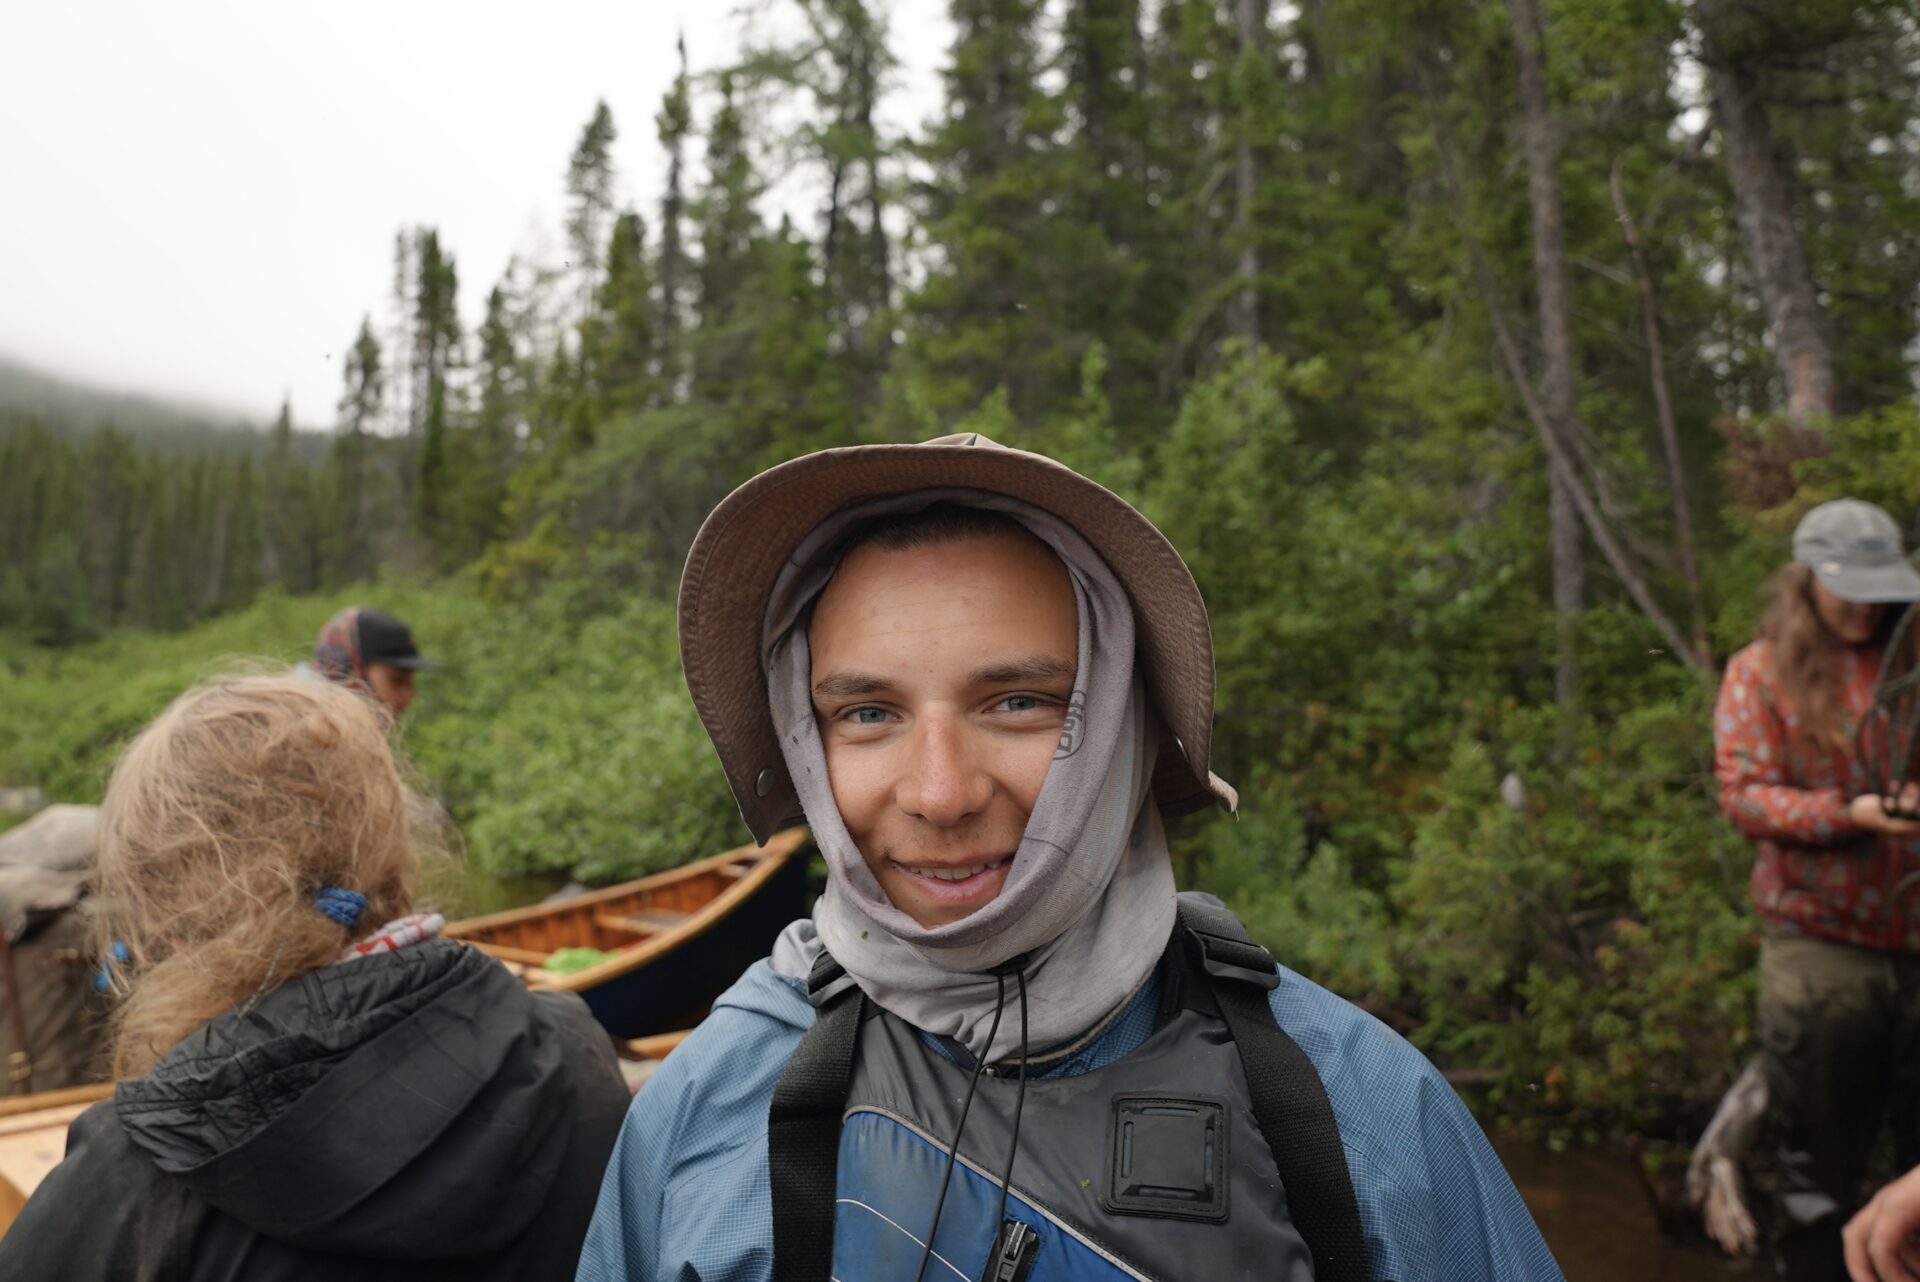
x: 199, y: 198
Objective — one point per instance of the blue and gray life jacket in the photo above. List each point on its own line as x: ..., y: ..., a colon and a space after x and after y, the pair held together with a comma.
x: 1210, y: 1151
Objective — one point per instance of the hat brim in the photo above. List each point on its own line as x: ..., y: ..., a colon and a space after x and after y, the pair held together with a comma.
x: 746, y: 540
x: 411, y: 662
x: 1886, y: 584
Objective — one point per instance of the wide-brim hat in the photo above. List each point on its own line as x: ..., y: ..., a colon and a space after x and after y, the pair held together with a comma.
x: 750, y: 536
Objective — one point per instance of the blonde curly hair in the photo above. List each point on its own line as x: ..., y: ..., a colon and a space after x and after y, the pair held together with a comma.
x: 220, y: 822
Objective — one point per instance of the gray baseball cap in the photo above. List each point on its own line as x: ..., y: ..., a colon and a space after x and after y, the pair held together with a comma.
x: 1853, y: 547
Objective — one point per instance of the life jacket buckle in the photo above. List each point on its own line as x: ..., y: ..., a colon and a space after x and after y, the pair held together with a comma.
x: 1236, y: 960
x: 827, y: 981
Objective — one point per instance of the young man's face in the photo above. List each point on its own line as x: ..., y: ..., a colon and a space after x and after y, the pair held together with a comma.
x: 941, y: 676
x: 391, y: 685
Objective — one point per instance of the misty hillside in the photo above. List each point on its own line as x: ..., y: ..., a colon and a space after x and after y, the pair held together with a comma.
x: 74, y: 408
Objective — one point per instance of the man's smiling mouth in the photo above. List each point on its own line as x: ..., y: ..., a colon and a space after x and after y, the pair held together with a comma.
x: 957, y: 872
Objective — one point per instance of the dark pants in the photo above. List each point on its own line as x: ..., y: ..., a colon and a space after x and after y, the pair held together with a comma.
x: 1840, y: 1042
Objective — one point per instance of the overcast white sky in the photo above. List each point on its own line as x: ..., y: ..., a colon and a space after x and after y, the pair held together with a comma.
x: 198, y: 198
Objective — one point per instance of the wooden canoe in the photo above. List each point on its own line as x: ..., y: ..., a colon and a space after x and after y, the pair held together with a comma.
x: 683, y: 936
x: 33, y: 1139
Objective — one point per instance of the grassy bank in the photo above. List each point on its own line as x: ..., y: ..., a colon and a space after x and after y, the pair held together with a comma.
x: 557, y: 733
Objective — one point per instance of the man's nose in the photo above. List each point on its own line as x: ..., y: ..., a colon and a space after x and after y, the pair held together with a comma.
x: 945, y: 782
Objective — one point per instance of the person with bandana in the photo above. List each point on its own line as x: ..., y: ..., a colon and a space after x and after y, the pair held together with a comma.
x: 372, y: 651
x: 1003, y: 1047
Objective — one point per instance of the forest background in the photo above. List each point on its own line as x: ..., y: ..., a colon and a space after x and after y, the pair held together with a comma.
x: 1479, y: 354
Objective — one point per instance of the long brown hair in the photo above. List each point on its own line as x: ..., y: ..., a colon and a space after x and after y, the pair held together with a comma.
x: 1806, y: 658
x: 221, y: 821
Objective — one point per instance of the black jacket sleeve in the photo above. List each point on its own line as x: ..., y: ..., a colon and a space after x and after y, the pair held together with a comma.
x: 103, y: 1213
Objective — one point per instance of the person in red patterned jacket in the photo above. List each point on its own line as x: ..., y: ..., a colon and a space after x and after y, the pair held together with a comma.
x: 1836, y: 877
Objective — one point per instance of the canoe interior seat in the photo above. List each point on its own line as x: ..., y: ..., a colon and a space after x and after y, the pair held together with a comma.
x: 644, y: 921
x: 520, y: 956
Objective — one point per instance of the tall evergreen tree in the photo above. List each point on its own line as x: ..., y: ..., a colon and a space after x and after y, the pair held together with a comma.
x: 979, y: 321
x: 404, y: 404
x: 837, y: 60
x: 731, y: 264
x: 1108, y: 242
x: 590, y: 197
x: 674, y: 124
x: 243, y: 577
x: 437, y: 342
x: 360, y: 404
x: 618, y: 343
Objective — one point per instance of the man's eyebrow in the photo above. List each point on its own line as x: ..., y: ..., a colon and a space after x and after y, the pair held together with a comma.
x: 1037, y: 668
x: 849, y: 685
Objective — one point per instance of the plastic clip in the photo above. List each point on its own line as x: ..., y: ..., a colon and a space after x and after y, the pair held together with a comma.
x: 1232, y: 959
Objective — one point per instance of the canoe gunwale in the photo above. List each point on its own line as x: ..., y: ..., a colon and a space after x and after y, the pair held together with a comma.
x: 768, y: 860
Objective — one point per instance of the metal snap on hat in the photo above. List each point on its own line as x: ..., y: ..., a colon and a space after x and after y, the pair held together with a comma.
x: 748, y: 538
x: 1853, y: 548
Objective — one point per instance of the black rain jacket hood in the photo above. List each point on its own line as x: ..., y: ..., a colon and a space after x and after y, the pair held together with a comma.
x: 416, y: 1106
x: 366, y: 1109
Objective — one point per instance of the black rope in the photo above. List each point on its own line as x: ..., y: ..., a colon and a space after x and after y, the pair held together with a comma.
x: 953, y: 1149
x: 1019, y: 1104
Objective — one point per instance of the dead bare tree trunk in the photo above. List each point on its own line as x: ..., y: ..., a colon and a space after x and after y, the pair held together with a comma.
x: 1564, y: 469
x: 1763, y: 191
x: 1562, y: 462
x: 1251, y: 15
x: 1663, y: 407
x: 1556, y: 340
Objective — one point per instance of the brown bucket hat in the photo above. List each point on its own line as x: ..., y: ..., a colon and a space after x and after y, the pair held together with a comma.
x: 746, y: 540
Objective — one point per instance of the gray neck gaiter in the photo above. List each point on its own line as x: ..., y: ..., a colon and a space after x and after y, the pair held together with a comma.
x: 1089, y: 899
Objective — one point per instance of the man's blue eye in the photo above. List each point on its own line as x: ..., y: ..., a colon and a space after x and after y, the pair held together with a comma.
x: 869, y: 716
x: 1021, y: 702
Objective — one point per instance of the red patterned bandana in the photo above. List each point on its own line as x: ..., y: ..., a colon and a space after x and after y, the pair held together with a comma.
x: 336, y: 655
x: 395, y: 935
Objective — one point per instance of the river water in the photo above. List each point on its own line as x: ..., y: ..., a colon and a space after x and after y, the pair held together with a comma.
x: 1595, y: 1214
x: 461, y: 890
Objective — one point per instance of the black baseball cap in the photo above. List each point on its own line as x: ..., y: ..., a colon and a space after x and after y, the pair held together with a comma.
x: 384, y: 639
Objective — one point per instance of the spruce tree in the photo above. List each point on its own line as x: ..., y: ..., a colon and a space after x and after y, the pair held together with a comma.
x: 590, y: 195
x: 243, y: 579
x: 731, y: 263
x: 1109, y: 242
x: 674, y: 124
x: 837, y: 60
x: 618, y: 343
x: 437, y: 353
x: 981, y: 319
x: 360, y: 403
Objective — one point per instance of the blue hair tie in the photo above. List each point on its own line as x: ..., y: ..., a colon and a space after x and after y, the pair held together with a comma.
x: 344, y: 906
x: 103, y: 978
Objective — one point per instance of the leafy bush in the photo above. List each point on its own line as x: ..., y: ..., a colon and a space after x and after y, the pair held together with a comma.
x: 1593, y: 946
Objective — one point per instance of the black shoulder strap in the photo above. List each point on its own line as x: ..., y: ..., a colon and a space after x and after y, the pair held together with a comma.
x: 803, y: 1127
x: 1289, y: 1102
